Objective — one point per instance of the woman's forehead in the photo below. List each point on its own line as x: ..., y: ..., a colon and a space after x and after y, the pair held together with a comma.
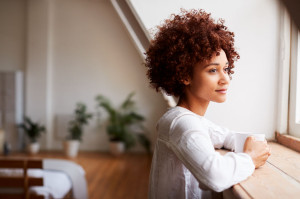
x: 218, y: 58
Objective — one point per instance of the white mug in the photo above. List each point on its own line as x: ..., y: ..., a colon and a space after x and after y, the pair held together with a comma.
x: 240, y: 139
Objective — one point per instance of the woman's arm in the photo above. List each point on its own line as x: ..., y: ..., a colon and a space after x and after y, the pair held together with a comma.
x: 192, y: 144
x: 220, y: 136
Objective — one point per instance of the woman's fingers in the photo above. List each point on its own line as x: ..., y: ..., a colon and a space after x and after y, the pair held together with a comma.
x: 258, y: 150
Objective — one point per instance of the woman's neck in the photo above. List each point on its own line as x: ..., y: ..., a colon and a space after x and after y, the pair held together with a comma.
x: 195, y: 106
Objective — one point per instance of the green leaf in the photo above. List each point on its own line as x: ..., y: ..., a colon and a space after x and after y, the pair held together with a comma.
x: 32, y: 129
x: 121, y: 121
x: 81, y: 118
x: 128, y: 103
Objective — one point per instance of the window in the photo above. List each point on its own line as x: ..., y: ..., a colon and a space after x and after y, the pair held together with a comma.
x: 289, y: 84
x: 294, y: 108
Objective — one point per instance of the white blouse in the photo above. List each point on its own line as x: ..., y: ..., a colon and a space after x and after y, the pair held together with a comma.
x: 185, y: 164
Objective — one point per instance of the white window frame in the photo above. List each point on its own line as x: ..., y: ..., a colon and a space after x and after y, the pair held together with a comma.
x: 283, y: 72
x: 289, y: 60
x: 294, y: 105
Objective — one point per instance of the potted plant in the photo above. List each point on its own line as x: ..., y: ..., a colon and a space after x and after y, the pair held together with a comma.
x: 81, y: 118
x: 124, y: 125
x: 33, y: 131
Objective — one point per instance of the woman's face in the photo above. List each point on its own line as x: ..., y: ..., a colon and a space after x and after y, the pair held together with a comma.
x: 210, y: 80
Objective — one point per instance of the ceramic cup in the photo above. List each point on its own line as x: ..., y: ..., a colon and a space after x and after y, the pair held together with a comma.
x: 240, y: 139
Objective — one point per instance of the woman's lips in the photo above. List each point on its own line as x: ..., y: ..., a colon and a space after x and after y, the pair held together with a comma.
x: 223, y: 91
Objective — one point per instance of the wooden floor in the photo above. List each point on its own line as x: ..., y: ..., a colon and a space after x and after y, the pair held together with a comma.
x: 109, y: 177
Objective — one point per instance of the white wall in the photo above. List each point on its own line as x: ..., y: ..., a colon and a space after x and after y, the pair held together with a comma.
x: 76, y: 50
x: 252, y: 98
x: 12, y: 59
x: 12, y: 35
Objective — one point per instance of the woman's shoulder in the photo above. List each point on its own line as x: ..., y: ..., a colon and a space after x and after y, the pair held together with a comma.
x: 178, y: 115
x: 176, y: 112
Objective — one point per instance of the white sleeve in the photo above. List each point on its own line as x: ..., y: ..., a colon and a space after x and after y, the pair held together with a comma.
x: 220, y: 136
x: 192, y: 145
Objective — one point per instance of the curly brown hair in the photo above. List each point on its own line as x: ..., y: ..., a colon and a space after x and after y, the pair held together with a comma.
x: 180, y: 43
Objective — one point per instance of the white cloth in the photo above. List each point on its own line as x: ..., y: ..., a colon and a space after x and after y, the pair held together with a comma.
x: 74, y: 171
x: 56, y: 183
x: 185, y: 164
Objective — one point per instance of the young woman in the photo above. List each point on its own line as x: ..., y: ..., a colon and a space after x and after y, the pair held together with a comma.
x: 192, y: 57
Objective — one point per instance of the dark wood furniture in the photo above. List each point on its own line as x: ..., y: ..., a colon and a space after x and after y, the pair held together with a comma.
x: 17, y: 186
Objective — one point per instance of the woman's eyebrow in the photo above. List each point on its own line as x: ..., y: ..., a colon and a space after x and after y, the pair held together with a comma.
x: 215, y: 64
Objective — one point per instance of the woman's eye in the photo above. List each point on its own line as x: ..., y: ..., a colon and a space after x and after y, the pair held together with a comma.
x: 227, y: 69
x: 213, y: 70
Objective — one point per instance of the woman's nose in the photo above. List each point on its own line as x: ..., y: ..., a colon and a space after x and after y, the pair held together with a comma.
x: 224, y: 78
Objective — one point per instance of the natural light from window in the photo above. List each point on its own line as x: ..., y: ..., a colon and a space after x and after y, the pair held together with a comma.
x: 298, y: 83
x: 294, y: 106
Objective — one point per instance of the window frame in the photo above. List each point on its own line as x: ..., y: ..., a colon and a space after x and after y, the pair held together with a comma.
x: 283, y: 72
x: 294, y: 115
x: 288, y: 60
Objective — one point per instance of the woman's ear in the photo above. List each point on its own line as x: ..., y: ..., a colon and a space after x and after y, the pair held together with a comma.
x: 186, y: 81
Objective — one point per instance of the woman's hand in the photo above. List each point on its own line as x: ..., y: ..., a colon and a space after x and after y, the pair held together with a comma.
x: 259, y: 151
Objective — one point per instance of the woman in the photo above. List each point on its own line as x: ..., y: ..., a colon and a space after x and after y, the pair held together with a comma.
x: 192, y: 57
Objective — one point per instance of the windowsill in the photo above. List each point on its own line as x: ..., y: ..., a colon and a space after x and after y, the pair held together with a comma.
x: 288, y: 141
x: 278, y: 178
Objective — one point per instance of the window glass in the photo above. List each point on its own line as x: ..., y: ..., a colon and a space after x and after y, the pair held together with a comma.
x: 294, y: 108
x: 298, y: 83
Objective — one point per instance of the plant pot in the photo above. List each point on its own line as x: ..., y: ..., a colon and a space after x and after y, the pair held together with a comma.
x: 33, y: 148
x: 116, y: 147
x: 71, y: 148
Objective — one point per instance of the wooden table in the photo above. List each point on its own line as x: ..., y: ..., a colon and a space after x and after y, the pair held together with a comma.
x: 278, y: 178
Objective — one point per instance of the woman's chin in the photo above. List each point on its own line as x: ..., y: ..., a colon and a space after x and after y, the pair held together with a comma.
x: 220, y: 100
